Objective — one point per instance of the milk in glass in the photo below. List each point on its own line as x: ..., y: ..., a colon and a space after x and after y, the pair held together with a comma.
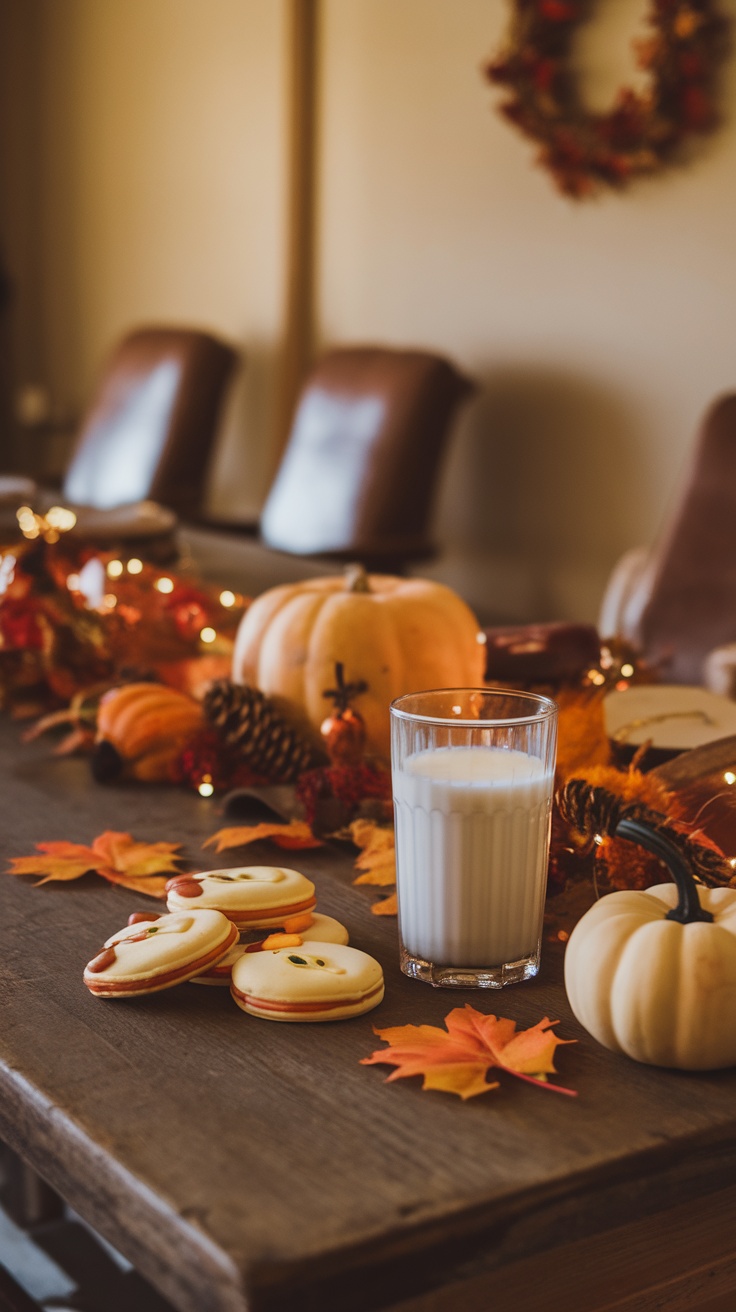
x: 472, y: 839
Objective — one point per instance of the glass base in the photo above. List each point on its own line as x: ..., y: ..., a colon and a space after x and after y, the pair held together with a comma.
x: 469, y: 977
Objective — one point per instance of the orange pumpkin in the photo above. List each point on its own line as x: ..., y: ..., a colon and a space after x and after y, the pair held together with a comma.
x: 397, y: 635
x: 141, y: 730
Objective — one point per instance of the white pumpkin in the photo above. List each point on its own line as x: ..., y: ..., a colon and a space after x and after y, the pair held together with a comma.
x: 661, y: 991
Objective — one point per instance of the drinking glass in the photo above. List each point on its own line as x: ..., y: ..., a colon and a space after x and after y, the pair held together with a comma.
x: 473, y: 778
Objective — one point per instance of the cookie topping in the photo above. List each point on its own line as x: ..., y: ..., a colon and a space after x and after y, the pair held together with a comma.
x: 185, y: 886
x: 102, y: 961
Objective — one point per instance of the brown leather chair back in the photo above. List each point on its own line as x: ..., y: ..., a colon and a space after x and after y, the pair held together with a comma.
x: 360, y: 468
x: 691, y: 603
x: 152, y: 423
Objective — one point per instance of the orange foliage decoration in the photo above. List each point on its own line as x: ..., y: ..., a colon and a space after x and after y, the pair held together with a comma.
x: 296, y: 835
x: 588, y: 803
x: 458, y: 1058
x: 115, y: 856
x: 644, y: 130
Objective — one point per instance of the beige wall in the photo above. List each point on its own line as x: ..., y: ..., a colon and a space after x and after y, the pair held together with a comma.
x: 162, y: 184
x: 598, y: 332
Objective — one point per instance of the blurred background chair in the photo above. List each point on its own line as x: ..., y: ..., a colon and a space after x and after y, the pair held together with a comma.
x: 360, y: 469
x: 677, y: 601
x: 147, y: 435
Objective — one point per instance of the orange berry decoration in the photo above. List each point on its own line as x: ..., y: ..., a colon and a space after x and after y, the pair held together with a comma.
x: 344, y: 730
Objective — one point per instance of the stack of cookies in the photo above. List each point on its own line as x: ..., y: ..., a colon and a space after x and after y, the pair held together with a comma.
x: 214, y: 934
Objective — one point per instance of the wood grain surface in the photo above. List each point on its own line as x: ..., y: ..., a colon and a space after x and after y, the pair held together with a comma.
x: 242, y: 1164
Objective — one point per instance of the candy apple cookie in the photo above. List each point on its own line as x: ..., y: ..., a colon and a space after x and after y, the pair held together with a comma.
x: 313, y: 982
x: 155, y: 954
x: 322, y: 928
x: 253, y: 897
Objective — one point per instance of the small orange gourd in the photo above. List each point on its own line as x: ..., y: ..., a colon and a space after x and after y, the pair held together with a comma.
x: 141, y: 730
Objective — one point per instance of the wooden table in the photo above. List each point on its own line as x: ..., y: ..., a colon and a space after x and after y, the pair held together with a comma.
x: 244, y: 1164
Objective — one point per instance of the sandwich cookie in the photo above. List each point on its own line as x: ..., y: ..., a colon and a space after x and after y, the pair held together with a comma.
x: 155, y: 954
x: 253, y: 897
x: 324, y: 929
x: 319, y: 981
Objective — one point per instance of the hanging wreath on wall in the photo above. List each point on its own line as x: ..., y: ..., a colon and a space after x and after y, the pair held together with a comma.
x: 643, y: 131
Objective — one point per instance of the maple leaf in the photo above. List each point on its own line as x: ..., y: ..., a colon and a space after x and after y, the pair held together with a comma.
x: 377, y: 860
x: 115, y: 856
x: 388, y: 906
x: 56, y: 861
x: 135, y: 865
x: 296, y: 834
x: 458, y: 1058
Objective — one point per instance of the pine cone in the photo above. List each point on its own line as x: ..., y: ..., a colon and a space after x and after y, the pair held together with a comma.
x: 247, y: 720
x: 591, y: 810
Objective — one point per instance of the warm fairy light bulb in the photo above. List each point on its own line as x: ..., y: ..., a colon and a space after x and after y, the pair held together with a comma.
x: 627, y: 670
x: 109, y: 600
x: 596, y: 677
x: 164, y: 585
x: 598, y: 840
x: 206, y: 788
x: 207, y: 634
x: 73, y: 582
x: 135, y: 566
x: 115, y: 568
x: 481, y: 637
x: 27, y: 522
x: 227, y: 598
x: 729, y: 776
x: 61, y: 518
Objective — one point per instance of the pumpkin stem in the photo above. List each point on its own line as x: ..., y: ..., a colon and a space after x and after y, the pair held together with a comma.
x: 356, y: 579
x: 688, y: 908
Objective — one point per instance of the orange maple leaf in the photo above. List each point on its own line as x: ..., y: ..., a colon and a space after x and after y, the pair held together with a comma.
x: 296, y: 834
x: 457, y: 1059
x: 388, y: 906
x: 377, y: 860
x: 115, y: 856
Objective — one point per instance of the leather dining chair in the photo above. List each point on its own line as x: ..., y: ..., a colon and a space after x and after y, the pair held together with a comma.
x: 140, y: 458
x: 151, y: 425
x: 677, y: 601
x: 358, y: 475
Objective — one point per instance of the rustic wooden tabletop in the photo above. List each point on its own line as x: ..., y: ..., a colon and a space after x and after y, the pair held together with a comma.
x: 244, y: 1164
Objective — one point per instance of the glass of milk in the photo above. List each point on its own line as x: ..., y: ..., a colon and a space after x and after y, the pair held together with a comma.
x: 473, y: 779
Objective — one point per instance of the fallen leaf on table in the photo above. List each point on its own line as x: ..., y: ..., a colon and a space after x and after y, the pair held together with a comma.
x: 115, y: 856
x: 369, y: 835
x: 56, y: 861
x: 388, y: 906
x: 377, y: 860
x: 377, y: 867
x: 296, y: 834
x: 458, y: 1058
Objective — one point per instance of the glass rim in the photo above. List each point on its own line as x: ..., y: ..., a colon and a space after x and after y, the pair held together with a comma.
x: 547, y: 709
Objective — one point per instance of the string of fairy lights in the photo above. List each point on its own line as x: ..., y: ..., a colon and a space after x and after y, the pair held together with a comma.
x: 95, y: 580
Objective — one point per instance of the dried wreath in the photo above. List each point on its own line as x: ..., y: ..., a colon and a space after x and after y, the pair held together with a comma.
x: 585, y: 150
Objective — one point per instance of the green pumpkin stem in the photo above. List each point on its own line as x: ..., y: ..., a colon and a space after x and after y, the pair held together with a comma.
x: 688, y: 908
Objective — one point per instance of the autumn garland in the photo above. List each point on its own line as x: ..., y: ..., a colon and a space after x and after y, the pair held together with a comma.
x: 583, y: 150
